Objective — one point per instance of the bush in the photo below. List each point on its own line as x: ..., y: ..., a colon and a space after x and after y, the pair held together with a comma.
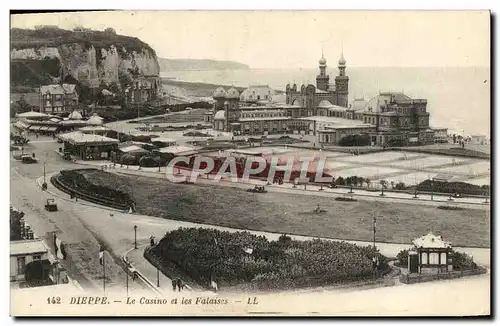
x: 148, y: 161
x: 273, y: 264
x: 453, y: 187
x: 75, y: 180
x: 355, y: 140
x: 402, y: 258
x: 15, y: 224
x: 462, y: 261
x: 128, y: 159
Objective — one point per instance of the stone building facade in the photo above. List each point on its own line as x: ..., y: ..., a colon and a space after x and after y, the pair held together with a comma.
x: 310, y: 96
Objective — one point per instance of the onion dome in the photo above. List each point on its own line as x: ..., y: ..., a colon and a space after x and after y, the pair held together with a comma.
x: 95, y: 119
x: 219, y: 93
x: 322, y: 61
x: 232, y: 93
x: 342, y: 61
x: 75, y: 115
x: 220, y: 115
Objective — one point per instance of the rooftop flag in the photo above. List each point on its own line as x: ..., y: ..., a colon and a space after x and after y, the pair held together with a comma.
x: 59, y: 248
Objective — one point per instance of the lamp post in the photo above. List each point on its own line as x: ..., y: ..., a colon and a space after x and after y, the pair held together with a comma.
x: 157, y: 277
x: 135, y: 236
x: 374, y: 231
x: 128, y: 266
x: 432, y: 190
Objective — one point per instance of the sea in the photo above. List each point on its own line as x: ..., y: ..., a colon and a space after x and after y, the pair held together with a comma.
x: 459, y: 98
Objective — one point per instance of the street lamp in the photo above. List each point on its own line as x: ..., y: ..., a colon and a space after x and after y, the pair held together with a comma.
x: 374, y: 231
x: 432, y: 190
x: 135, y: 236
x: 157, y: 277
x: 128, y: 266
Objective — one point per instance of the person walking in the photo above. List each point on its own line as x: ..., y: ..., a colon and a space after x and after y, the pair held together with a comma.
x: 174, y: 284
x: 180, y: 285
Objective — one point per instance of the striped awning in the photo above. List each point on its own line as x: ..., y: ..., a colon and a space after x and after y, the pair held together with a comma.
x: 34, y: 128
x: 51, y: 128
x: 21, y: 125
x: 44, y: 128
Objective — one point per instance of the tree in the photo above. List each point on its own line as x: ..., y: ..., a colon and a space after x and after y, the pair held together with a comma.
x: 340, y: 181
x: 383, y: 183
x: 368, y: 182
x: 110, y: 30
x: 392, y: 184
x: 361, y: 180
x: 124, y: 79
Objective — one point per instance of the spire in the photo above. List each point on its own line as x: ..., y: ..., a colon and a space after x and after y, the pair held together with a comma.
x: 322, y: 61
x: 342, y: 61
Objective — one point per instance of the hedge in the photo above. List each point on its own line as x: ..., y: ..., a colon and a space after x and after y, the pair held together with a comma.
x: 206, y: 254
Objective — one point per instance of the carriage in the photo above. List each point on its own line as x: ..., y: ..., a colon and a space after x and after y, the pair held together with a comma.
x: 51, y: 205
x: 258, y: 190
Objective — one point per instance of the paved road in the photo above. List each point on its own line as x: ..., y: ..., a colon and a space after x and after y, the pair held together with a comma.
x: 70, y: 222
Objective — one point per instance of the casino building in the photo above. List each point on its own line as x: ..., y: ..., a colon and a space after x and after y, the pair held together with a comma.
x: 390, y: 118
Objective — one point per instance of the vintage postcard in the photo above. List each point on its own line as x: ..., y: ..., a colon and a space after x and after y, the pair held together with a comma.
x: 250, y: 163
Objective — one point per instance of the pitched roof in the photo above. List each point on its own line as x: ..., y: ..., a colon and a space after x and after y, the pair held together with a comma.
x: 57, y: 89
x: 431, y: 241
x: 133, y: 148
x: 78, y: 137
x: 32, y: 114
x: 24, y: 247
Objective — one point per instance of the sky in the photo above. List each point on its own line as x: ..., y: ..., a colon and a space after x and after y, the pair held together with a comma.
x: 296, y: 39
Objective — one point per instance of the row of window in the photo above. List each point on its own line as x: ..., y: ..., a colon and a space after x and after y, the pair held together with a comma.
x: 251, y: 97
x: 262, y: 115
x: 433, y: 258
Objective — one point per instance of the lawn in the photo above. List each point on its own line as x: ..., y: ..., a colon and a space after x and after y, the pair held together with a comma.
x: 287, y: 213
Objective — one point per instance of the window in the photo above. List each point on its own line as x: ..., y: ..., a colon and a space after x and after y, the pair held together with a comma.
x: 433, y: 258
x: 258, y: 97
x: 37, y: 257
x: 21, y: 263
x: 443, y: 258
x: 424, y: 259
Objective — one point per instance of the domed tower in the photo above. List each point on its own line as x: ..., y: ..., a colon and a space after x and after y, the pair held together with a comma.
x: 232, y: 107
x: 219, y: 97
x: 342, y: 83
x: 322, y: 80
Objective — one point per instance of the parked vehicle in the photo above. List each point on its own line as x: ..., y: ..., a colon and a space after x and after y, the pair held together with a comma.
x: 51, y: 205
x: 28, y: 159
x: 258, y: 189
x: 345, y: 198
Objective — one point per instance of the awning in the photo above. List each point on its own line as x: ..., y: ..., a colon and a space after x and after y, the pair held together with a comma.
x: 51, y: 128
x: 34, y: 127
x: 21, y: 125
x: 44, y: 128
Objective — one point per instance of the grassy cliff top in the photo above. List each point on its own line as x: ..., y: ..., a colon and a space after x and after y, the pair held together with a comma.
x: 54, y: 37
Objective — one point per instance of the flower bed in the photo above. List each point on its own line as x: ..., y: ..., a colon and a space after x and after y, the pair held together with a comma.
x: 74, y: 181
x: 233, y: 259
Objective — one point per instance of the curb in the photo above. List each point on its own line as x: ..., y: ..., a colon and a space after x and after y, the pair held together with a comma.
x: 132, y: 270
x: 81, y: 202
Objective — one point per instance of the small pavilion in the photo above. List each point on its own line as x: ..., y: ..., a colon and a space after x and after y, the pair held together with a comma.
x: 432, y: 255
